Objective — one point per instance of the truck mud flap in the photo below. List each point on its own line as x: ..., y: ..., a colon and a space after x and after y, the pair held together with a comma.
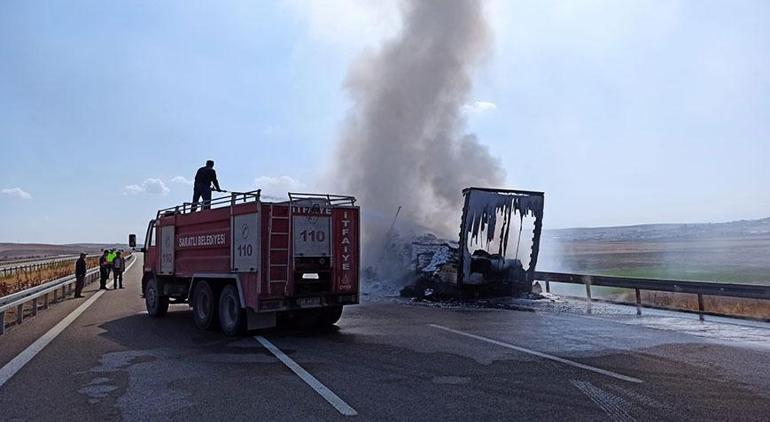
x: 261, y: 320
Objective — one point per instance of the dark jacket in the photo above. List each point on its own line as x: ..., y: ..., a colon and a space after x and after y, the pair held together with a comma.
x: 205, y: 177
x: 80, y: 267
x: 118, y: 264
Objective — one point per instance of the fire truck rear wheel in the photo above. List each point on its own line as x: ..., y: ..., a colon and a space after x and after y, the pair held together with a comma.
x: 205, y: 306
x: 232, y: 318
x: 157, y: 305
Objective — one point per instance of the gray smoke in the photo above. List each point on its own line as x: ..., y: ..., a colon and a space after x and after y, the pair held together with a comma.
x: 404, y: 141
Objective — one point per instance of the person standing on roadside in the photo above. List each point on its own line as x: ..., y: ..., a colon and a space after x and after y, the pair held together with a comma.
x: 80, y: 275
x: 118, y: 265
x: 104, y: 270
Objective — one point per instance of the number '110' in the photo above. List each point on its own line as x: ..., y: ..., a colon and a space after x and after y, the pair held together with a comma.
x: 312, y: 235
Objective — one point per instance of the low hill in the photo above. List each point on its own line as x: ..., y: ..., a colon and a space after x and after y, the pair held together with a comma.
x: 18, y: 251
x: 742, y: 228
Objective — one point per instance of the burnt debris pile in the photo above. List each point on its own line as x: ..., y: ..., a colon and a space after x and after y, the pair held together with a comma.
x: 493, y: 256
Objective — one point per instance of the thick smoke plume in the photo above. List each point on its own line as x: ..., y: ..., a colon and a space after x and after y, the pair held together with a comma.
x: 404, y: 142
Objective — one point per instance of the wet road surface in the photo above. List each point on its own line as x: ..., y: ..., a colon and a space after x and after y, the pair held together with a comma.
x: 384, y: 361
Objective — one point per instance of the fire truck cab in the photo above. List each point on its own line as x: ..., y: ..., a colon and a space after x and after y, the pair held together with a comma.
x: 244, y: 264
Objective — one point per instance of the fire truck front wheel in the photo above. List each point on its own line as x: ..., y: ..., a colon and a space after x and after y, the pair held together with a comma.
x: 205, y: 306
x: 157, y: 305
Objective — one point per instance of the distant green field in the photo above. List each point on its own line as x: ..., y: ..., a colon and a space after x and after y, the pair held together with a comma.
x: 743, y: 260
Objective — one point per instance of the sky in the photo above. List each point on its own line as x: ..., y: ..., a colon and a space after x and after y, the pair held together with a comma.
x: 622, y: 112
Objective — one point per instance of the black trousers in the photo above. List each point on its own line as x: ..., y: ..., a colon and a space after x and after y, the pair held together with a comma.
x: 104, y: 274
x: 80, y: 281
x: 201, y: 191
x: 117, y: 280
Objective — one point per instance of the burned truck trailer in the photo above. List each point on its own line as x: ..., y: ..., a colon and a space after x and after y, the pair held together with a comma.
x: 245, y: 264
x: 489, y: 259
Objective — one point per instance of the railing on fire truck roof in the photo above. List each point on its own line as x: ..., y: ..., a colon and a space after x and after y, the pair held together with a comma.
x: 253, y: 196
x: 224, y: 201
x: 333, y: 200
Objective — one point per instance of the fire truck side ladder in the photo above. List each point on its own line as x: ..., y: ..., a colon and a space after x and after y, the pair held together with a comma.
x: 278, y: 251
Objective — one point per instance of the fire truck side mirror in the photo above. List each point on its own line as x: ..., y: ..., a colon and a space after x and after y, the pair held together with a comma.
x: 132, y: 240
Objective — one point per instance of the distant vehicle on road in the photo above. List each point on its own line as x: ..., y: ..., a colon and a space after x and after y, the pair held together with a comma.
x: 244, y: 264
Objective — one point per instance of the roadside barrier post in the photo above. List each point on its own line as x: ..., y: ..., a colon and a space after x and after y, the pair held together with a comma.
x: 700, y: 306
x: 638, y: 302
x: 587, y: 282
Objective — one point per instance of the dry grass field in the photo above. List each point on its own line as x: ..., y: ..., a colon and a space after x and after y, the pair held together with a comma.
x: 25, y: 279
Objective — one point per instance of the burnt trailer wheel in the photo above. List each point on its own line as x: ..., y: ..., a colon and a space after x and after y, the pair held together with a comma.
x: 232, y: 318
x: 205, y: 306
x: 156, y: 303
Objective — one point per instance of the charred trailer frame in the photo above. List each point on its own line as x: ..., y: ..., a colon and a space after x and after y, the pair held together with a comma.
x: 491, y: 273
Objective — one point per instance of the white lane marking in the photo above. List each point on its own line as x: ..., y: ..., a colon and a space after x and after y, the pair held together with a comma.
x: 310, y: 380
x: 12, y: 367
x: 542, y: 355
x: 614, y: 406
x: 641, y: 398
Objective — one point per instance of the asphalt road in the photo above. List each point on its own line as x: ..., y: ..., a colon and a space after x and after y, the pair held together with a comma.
x: 387, y: 361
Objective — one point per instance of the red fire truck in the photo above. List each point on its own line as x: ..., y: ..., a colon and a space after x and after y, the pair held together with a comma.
x: 244, y: 264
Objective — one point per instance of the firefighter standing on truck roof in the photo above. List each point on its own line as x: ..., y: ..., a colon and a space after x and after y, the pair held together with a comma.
x: 204, y: 178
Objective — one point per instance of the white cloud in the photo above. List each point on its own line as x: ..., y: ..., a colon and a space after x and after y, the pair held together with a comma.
x: 150, y: 185
x: 348, y: 22
x: 277, y: 187
x: 16, y: 193
x: 181, y: 180
x: 478, y: 107
x: 132, y: 190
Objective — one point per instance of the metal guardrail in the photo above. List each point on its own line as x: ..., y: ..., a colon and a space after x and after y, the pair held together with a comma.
x: 65, y: 285
x: 21, y: 261
x: 35, y: 265
x: 699, y: 288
